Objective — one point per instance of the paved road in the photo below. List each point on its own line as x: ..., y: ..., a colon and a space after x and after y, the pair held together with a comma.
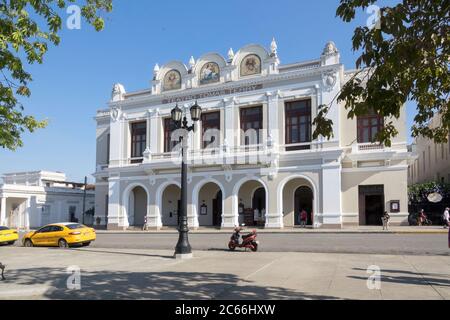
x: 414, y: 244
x: 34, y: 273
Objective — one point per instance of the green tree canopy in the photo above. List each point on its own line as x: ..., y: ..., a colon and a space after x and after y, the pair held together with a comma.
x: 27, y: 28
x: 404, y: 57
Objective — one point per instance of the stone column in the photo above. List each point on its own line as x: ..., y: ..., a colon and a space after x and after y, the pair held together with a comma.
x: 331, y: 195
x: 34, y: 212
x: 116, y: 138
x: 27, y: 214
x: 272, y: 114
x: 114, y: 206
x: 230, y: 131
x: 274, y: 217
x: 193, y: 222
x: 125, y: 149
x: 148, y: 153
x: 154, y: 134
x: 230, y: 216
x: 3, y: 211
x: 154, y: 220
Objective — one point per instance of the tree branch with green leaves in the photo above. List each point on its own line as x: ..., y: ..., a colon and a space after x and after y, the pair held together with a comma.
x: 407, y: 58
x: 27, y: 28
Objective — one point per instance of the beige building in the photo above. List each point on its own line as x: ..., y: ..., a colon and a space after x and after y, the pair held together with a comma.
x: 252, y: 158
x: 431, y: 161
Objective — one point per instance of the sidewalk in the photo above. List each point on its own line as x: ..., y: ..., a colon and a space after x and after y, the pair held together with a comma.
x: 36, y: 273
x: 347, y: 230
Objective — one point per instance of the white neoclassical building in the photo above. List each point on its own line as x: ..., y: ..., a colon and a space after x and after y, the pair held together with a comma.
x: 29, y: 200
x: 252, y: 158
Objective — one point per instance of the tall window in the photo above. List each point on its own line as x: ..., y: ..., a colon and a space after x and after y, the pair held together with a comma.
x: 210, y: 121
x: 251, y: 124
x: 138, y: 140
x: 298, y: 124
x: 369, y: 126
x: 168, y: 129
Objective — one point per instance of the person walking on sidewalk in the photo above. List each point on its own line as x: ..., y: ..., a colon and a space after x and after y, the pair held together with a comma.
x: 145, y: 226
x: 446, y: 217
x: 303, y: 218
x: 422, y: 218
x: 385, y: 219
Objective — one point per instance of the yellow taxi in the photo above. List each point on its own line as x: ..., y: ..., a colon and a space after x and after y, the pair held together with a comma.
x: 61, y: 235
x: 8, y: 236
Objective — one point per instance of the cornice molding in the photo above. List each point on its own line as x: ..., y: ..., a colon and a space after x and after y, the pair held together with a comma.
x: 264, y: 80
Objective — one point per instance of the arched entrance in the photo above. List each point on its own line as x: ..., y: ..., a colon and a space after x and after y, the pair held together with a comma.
x: 137, y: 210
x: 252, y: 203
x: 303, y: 200
x: 210, y: 205
x: 217, y: 209
x: 170, y: 205
x: 259, y: 199
x: 297, y: 195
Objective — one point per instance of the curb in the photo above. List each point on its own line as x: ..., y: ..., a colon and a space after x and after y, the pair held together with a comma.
x: 271, y: 232
x: 23, y: 292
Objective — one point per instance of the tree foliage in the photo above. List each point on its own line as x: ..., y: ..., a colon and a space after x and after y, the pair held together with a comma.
x: 418, y: 193
x: 406, y: 57
x: 27, y: 28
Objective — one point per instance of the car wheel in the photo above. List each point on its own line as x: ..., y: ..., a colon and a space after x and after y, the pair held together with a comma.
x: 28, y: 243
x: 11, y: 243
x: 86, y: 244
x: 63, y: 244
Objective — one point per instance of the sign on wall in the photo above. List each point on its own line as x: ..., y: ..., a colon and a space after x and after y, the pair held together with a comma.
x: 215, y: 93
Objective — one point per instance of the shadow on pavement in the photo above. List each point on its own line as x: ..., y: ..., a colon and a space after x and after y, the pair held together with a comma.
x: 122, y: 253
x: 408, y: 277
x: 222, y: 250
x: 152, y: 286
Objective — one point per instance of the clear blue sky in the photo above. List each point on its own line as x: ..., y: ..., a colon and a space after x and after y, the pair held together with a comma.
x: 77, y: 76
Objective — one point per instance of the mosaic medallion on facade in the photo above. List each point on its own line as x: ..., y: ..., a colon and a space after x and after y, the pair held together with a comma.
x: 251, y: 65
x: 210, y: 73
x: 172, y: 80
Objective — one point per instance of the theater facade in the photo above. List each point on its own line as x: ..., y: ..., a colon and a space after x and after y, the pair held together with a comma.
x: 253, y: 158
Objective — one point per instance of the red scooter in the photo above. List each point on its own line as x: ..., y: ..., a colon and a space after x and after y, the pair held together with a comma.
x: 248, y: 241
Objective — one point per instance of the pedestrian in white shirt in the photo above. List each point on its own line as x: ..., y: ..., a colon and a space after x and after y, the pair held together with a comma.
x: 446, y: 217
x: 145, y: 226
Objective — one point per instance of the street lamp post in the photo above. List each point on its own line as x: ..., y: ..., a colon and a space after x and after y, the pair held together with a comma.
x: 183, y: 249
